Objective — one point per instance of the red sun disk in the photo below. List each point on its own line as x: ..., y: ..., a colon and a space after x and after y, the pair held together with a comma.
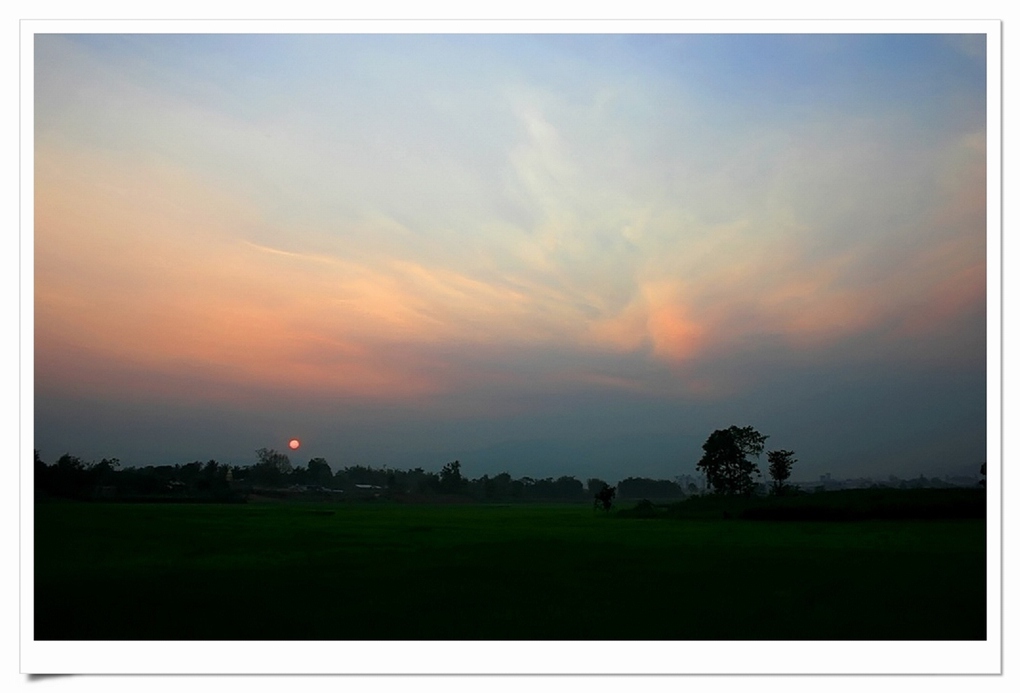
x: 294, y: 444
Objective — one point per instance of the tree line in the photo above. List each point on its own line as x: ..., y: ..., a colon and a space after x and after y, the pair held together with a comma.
x: 727, y: 466
x: 71, y: 477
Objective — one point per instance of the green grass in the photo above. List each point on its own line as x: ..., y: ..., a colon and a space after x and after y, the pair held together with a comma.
x: 393, y: 572
x: 829, y: 506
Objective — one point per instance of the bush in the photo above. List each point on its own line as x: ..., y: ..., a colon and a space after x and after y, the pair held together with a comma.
x: 643, y: 510
x: 840, y: 506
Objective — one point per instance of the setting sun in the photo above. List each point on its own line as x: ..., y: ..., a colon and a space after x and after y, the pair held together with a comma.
x: 294, y: 443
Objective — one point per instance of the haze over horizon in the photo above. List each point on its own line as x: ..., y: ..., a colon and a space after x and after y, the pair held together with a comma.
x: 572, y: 253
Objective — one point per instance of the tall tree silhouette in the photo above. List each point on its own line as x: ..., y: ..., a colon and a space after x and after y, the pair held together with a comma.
x: 780, y: 463
x: 604, y: 498
x: 725, y: 462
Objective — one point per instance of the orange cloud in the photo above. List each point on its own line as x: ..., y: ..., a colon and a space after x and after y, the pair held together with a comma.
x: 143, y: 269
x: 143, y: 265
x: 674, y: 334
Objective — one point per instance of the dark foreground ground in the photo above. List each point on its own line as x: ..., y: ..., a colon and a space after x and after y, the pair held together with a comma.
x: 291, y: 571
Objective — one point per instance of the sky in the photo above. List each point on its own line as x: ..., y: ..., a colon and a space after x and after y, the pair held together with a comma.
x: 543, y: 254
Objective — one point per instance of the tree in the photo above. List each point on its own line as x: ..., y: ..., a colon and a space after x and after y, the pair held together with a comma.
x: 567, y: 487
x: 450, y: 479
x: 725, y: 462
x: 605, y: 497
x: 780, y: 463
x: 319, y: 471
x: 272, y: 458
x: 272, y: 467
x: 70, y: 464
x: 499, y: 487
x: 70, y: 475
x: 643, y: 487
x: 42, y: 474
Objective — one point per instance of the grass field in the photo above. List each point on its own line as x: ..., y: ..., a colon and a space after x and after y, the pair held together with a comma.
x: 348, y: 571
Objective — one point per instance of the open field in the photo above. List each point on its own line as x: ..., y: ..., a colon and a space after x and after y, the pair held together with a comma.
x: 393, y: 572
